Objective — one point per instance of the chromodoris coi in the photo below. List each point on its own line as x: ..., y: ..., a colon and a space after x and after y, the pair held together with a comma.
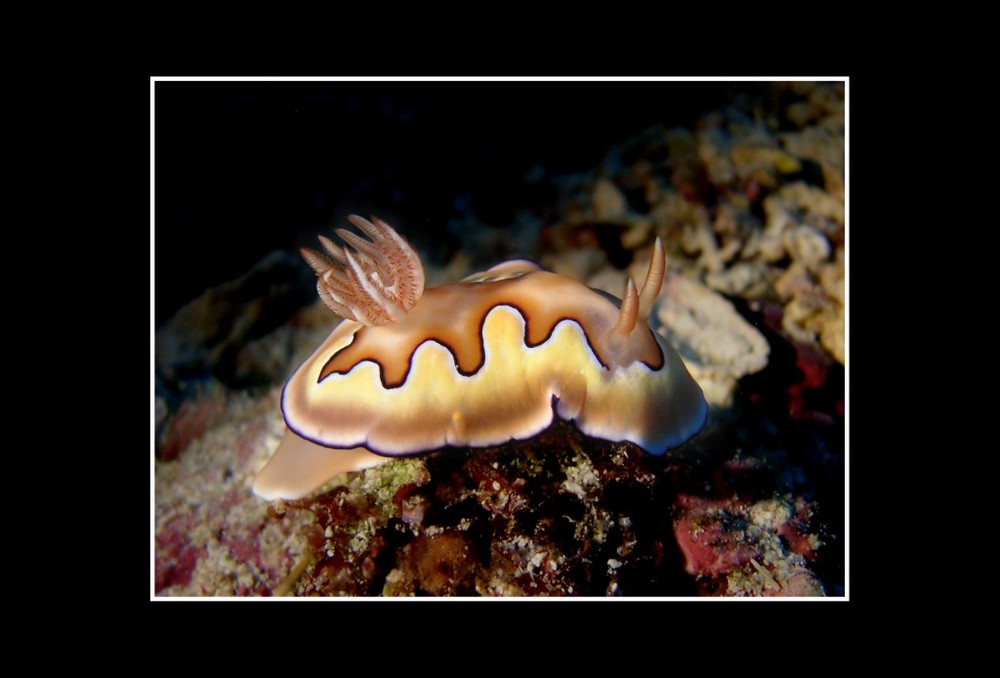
x: 472, y: 364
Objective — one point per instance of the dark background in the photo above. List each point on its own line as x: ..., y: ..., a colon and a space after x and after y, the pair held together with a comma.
x: 244, y: 168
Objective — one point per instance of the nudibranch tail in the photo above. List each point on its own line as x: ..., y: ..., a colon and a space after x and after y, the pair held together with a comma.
x: 377, y: 282
x: 298, y: 467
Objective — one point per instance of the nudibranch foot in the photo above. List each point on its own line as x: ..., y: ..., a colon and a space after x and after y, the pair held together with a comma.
x: 477, y: 363
x: 297, y: 465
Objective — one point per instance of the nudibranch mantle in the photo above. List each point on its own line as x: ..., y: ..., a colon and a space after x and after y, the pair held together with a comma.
x: 480, y: 362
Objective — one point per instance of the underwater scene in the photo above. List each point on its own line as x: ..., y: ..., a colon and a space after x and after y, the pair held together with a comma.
x: 479, y: 339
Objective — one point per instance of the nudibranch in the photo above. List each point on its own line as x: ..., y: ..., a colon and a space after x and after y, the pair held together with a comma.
x: 477, y: 363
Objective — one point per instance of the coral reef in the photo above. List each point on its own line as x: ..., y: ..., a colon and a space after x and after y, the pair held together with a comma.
x: 212, y: 536
x: 752, y: 210
x: 559, y: 514
x: 718, y: 345
x: 749, y: 203
x: 739, y: 548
